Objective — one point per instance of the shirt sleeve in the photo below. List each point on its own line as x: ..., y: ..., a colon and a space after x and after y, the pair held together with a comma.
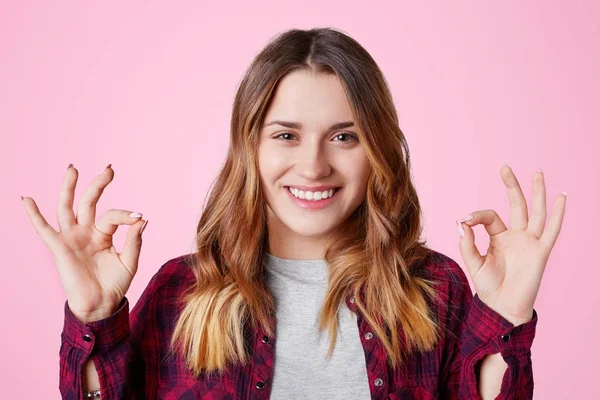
x: 121, y: 346
x: 476, y: 330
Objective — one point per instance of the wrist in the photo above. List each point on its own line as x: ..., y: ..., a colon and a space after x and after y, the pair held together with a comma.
x: 96, y: 315
x: 515, y: 319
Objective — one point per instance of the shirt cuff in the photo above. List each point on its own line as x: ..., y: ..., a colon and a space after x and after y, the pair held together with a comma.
x: 491, y: 327
x: 103, y: 334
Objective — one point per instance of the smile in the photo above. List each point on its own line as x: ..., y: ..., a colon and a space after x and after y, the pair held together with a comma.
x: 312, y: 200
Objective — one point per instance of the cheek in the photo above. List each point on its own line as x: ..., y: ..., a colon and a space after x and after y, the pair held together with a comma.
x: 271, y: 163
x: 365, y: 172
x: 364, y: 166
x: 362, y: 170
x: 356, y: 167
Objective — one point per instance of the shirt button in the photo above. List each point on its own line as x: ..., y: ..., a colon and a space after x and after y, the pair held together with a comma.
x: 260, y: 385
x: 87, y: 338
x: 506, y: 337
x: 378, y: 382
x: 352, y: 300
x: 265, y: 339
x: 368, y: 336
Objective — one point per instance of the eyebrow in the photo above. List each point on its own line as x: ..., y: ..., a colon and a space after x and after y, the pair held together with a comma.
x: 298, y: 125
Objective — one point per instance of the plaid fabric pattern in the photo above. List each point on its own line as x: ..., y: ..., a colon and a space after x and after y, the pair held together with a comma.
x: 129, y: 350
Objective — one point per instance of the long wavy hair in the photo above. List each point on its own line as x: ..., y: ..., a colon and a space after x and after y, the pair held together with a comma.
x: 377, y: 252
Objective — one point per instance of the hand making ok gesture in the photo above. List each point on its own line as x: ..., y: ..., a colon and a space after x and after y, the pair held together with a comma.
x: 94, y: 275
x: 508, y: 277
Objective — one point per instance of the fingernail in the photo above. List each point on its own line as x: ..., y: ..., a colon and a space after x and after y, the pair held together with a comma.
x: 506, y: 163
x: 143, y: 227
x: 540, y: 170
x: 22, y: 198
x: 70, y: 165
x: 135, y: 215
x: 461, y: 231
x: 565, y: 193
x: 467, y: 218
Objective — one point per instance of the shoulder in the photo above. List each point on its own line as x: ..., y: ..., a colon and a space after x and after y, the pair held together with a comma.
x: 155, y: 309
x: 452, y: 286
x: 442, y: 267
x: 173, y: 274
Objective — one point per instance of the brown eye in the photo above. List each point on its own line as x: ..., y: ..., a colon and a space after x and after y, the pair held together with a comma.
x: 349, y: 136
x: 281, y: 134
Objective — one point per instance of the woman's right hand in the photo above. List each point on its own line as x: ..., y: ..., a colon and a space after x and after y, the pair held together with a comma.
x: 94, y: 276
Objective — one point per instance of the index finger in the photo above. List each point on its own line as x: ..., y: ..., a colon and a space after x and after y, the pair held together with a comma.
x: 66, y: 216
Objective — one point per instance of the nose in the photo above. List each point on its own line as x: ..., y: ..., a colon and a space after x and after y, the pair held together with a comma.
x: 312, y: 163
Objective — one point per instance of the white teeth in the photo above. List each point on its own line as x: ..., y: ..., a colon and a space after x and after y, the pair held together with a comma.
x: 308, y: 195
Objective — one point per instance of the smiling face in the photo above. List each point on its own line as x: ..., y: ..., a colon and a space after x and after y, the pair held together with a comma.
x: 309, y: 143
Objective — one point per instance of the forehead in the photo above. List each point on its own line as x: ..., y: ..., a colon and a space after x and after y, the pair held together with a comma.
x: 315, y: 100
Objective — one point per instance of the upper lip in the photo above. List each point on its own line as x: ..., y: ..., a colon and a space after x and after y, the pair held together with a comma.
x: 314, y: 188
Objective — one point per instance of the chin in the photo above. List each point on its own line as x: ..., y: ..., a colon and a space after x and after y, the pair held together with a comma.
x: 308, y: 229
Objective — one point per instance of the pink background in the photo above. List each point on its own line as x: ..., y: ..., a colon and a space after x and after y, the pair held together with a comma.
x: 148, y: 87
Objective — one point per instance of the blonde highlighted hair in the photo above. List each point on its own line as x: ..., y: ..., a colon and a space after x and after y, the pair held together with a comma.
x: 377, y: 249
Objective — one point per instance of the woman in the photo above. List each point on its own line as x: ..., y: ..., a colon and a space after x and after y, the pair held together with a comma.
x: 312, y: 225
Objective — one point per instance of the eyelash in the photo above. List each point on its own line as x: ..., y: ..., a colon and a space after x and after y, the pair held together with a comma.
x: 351, y: 136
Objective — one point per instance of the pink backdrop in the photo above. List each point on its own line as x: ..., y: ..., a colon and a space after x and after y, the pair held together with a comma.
x: 148, y: 87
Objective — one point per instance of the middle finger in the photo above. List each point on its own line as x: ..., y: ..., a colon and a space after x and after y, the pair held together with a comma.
x: 66, y: 216
x: 537, y: 220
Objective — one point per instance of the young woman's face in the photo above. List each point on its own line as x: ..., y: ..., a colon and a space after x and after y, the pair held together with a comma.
x: 309, y: 144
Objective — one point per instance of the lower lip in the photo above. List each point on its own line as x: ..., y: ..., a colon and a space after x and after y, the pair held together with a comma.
x: 313, y: 204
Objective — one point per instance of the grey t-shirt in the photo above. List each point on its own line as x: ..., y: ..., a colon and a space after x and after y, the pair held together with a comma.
x: 301, y: 368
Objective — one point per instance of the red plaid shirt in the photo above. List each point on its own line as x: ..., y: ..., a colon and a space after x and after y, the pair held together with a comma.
x: 129, y: 350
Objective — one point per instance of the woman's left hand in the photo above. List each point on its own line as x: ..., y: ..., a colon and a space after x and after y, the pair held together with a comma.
x: 508, y: 277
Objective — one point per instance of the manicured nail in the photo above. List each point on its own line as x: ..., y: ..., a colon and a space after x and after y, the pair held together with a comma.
x: 135, y: 215
x: 539, y: 170
x: 143, y: 227
x: 70, y: 165
x: 565, y: 193
x: 22, y: 198
x: 105, y: 168
x: 506, y: 164
x: 467, y: 218
x: 461, y: 231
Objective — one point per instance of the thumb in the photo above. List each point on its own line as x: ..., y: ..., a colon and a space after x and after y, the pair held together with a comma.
x: 130, y: 255
x: 468, y: 250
